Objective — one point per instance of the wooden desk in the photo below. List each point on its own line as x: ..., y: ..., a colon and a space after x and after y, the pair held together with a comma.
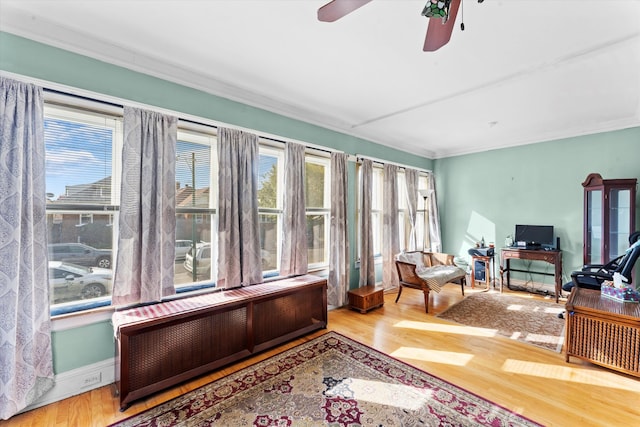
x: 552, y: 257
x: 603, y: 331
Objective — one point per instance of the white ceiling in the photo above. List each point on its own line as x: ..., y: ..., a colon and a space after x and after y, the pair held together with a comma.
x: 523, y: 71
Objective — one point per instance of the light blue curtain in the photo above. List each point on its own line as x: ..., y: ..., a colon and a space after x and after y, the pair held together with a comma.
x: 367, y: 267
x: 146, y: 254
x: 338, y: 281
x: 411, y: 177
x: 26, y: 364
x: 390, y: 227
x: 239, y: 261
x: 294, y: 222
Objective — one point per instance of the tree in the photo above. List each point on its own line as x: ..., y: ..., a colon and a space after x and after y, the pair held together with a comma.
x: 268, y: 192
x: 314, y: 187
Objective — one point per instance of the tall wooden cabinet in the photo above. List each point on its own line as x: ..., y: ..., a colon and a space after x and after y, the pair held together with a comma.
x: 609, y: 217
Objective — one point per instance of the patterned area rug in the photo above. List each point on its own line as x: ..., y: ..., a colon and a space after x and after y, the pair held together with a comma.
x: 530, y: 320
x: 330, y: 380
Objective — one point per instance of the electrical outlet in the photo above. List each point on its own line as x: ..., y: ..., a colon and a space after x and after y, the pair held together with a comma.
x: 92, y: 379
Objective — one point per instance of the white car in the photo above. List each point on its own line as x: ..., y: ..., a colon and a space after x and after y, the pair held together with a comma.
x: 202, y: 259
x: 73, y: 282
x: 182, y: 248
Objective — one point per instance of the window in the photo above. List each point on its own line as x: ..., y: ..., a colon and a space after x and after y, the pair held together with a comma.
x: 270, y: 202
x: 376, y: 209
x: 271, y: 199
x: 318, y: 208
x: 423, y: 183
x: 82, y: 201
x: 403, y: 214
x: 404, y: 228
x: 83, y: 143
x: 196, y: 198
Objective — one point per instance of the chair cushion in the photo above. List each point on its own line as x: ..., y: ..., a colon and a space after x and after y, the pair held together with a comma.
x: 412, y: 258
x: 438, y: 275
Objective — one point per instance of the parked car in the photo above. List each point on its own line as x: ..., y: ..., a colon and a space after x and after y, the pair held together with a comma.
x: 182, y: 248
x: 71, y: 281
x: 202, y: 259
x: 81, y: 254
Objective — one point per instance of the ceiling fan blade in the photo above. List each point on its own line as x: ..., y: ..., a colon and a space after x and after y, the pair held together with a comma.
x: 336, y: 9
x: 439, y: 34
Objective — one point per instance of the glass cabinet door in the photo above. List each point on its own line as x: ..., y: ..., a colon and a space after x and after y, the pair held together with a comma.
x: 619, y: 221
x: 594, y: 227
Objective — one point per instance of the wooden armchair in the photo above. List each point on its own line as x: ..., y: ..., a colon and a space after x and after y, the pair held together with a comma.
x: 428, y: 271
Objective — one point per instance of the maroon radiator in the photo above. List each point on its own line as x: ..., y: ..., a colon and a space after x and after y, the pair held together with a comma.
x: 161, y: 345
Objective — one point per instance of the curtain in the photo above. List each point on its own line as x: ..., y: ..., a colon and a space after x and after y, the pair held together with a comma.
x: 338, y: 282
x: 239, y: 261
x: 411, y: 185
x: 294, y: 223
x: 26, y: 364
x: 434, y: 217
x: 146, y: 254
x: 367, y: 268
x: 390, y: 227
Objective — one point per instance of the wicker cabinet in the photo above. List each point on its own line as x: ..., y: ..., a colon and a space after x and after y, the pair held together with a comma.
x: 603, y: 331
x: 609, y: 217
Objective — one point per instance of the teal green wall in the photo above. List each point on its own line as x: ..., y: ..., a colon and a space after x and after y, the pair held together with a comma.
x: 486, y: 194
x: 29, y: 58
x: 76, y: 347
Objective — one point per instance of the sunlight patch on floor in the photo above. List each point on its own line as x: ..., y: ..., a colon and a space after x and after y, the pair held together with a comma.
x: 571, y: 374
x: 426, y: 355
x: 554, y: 310
x: 543, y: 339
x: 450, y: 329
x: 397, y: 395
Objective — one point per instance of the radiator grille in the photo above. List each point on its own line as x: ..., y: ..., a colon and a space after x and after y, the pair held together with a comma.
x: 162, y: 353
x: 280, y: 316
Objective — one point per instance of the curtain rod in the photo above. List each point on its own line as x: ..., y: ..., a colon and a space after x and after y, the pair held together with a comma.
x: 381, y: 161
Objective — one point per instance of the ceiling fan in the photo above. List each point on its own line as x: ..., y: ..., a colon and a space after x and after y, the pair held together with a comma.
x: 441, y: 14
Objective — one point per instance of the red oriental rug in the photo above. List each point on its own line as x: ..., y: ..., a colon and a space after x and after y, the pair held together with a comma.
x: 330, y: 380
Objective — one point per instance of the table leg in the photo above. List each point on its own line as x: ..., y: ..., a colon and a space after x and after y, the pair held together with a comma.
x: 558, y: 277
x: 493, y: 259
x: 473, y: 272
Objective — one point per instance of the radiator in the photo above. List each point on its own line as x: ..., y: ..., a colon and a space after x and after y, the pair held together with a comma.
x: 161, y: 346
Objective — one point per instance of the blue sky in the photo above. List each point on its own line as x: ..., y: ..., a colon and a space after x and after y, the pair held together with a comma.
x: 86, y: 151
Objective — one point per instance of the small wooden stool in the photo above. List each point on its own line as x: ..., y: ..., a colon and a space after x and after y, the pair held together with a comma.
x: 366, y: 298
x: 487, y: 260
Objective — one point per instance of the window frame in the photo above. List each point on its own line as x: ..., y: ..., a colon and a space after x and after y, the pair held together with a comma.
x: 205, y: 136
x: 90, y: 113
x: 325, y: 211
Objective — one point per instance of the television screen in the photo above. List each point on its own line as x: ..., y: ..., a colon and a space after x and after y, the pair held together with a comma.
x: 534, y: 235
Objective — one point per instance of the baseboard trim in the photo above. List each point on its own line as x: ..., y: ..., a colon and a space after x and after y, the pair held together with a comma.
x: 77, y: 381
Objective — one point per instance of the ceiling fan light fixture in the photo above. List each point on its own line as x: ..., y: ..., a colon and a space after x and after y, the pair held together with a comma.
x: 437, y: 9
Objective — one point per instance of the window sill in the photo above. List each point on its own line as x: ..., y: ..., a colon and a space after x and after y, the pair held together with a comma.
x: 76, y: 314
x: 85, y: 317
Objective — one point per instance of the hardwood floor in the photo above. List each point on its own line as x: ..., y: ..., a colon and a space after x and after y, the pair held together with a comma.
x: 534, y: 382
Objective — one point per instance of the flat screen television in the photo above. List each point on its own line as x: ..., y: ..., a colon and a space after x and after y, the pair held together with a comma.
x: 534, y: 235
